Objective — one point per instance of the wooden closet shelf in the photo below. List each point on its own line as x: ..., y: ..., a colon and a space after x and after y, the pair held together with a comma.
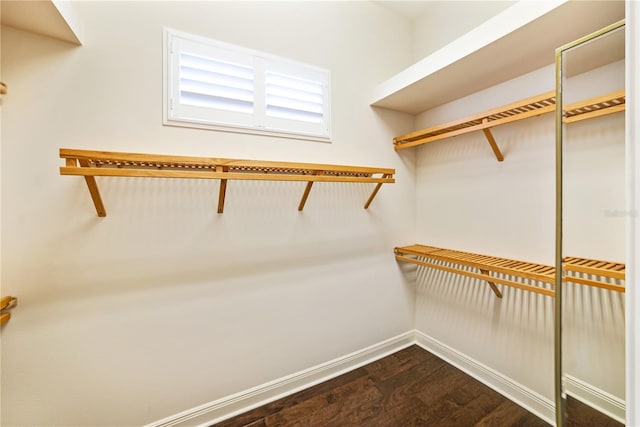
x: 512, y: 272
x: 595, y: 107
x: 6, y: 303
x: 484, y: 264
x: 103, y: 163
x: 520, y: 110
x: 590, y: 272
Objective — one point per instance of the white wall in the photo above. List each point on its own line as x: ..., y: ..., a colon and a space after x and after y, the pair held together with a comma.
x: 164, y: 304
x: 467, y: 200
x: 444, y: 21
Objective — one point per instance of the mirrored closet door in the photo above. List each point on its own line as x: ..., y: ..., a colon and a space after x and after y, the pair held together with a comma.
x: 590, y: 235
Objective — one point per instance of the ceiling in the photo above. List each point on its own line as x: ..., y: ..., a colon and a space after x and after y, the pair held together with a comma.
x: 407, y: 9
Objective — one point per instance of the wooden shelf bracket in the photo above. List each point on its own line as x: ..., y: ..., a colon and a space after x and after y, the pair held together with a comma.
x: 222, y: 192
x: 492, y: 285
x: 307, y: 190
x: 493, y: 144
x: 376, y: 189
x: 90, y: 164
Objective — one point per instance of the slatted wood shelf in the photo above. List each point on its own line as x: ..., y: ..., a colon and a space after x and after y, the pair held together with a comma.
x: 592, y: 272
x: 520, y: 110
x: 6, y: 304
x: 595, y: 107
x: 116, y: 164
x: 486, y: 265
x: 514, y: 273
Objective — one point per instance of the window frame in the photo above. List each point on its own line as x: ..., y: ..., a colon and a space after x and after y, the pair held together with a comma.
x: 174, y: 113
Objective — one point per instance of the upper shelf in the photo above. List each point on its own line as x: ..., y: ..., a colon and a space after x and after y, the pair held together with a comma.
x: 530, y: 107
x: 103, y: 163
x: 518, y: 40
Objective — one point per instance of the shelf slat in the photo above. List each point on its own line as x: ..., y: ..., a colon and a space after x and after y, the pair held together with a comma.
x: 595, y: 107
x: 103, y: 163
x: 596, y: 270
x: 524, y: 271
x: 530, y: 107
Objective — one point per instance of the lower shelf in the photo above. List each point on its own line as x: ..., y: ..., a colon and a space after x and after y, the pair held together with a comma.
x: 509, y: 272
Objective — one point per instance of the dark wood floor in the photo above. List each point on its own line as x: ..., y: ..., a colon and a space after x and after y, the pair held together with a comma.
x: 581, y: 415
x: 409, y: 388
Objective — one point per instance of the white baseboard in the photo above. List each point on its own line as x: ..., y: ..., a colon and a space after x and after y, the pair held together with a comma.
x: 512, y: 390
x: 227, y: 407
x: 608, y: 404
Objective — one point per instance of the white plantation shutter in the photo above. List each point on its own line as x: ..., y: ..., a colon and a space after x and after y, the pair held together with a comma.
x: 296, y: 97
x: 292, y: 98
x: 213, y: 85
x: 208, y: 83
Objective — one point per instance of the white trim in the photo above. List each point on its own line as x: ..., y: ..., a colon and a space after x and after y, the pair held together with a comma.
x: 246, y: 130
x: 512, y: 390
x: 238, y: 403
x: 600, y: 400
x: 235, y: 404
x: 632, y: 155
x: 257, y: 121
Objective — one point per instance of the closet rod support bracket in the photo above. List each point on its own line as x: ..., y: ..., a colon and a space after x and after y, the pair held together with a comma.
x: 493, y: 286
x: 492, y: 143
x: 93, y: 190
x: 307, y: 190
x: 223, y: 189
x: 375, y: 191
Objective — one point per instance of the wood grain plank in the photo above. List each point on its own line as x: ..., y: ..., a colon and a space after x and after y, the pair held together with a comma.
x: 209, y: 174
x: 112, y: 156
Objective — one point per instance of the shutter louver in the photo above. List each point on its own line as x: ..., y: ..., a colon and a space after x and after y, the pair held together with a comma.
x: 212, y: 83
x: 292, y: 98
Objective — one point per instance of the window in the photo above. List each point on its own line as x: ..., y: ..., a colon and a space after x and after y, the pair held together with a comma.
x: 215, y: 85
